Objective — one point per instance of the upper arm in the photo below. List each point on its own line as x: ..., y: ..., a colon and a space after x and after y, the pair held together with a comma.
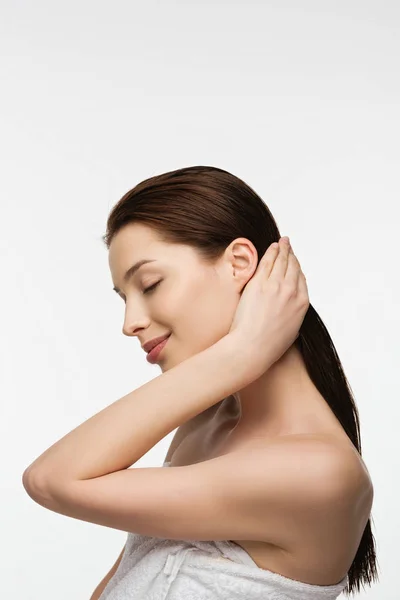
x: 264, y: 495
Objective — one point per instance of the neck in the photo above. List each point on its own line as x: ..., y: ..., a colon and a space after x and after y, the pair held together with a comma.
x: 283, y: 400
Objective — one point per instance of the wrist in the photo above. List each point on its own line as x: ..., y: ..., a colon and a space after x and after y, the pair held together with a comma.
x: 241, y: 359
x: 248, y: 361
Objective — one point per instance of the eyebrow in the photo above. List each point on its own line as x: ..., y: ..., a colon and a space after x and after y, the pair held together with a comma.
x: 132, y: 270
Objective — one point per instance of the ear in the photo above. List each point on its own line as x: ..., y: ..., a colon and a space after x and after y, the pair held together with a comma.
x: 243, y: 258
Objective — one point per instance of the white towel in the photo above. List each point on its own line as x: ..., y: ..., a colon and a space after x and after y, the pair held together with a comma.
x: 159, y: 569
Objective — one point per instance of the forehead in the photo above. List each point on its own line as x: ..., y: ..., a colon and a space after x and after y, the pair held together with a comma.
x: 131, y: 241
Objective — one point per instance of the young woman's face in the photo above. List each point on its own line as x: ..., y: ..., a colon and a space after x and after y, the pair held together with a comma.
x: 193, y: 301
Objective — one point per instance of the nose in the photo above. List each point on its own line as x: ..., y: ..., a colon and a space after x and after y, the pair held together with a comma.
x: 133, y: 324
x: 132, y: 330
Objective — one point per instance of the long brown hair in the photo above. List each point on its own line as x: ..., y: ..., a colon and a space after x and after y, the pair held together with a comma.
x: 207, y: 208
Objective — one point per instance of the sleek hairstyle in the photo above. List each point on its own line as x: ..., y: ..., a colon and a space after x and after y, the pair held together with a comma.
x: 207, y: 208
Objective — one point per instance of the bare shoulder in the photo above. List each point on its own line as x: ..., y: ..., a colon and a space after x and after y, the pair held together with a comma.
x: 340, y: 451
x: 308, y: 453
x: 323, y: 482
x: 333, y: 458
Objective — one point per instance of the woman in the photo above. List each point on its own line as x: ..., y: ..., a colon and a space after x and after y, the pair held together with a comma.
x: 270, y: 479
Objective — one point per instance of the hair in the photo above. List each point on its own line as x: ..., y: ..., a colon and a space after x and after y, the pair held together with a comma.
x: 207, y: 208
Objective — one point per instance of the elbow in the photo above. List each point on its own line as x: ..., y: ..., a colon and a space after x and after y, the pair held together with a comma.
x: 35, y: 488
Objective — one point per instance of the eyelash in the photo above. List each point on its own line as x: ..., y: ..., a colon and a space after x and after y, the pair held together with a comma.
x: 151, y: 288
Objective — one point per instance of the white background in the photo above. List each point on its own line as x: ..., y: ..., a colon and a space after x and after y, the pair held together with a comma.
x: 299, y: 99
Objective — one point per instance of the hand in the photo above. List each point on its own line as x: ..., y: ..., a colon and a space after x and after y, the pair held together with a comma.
x: 271, y: 309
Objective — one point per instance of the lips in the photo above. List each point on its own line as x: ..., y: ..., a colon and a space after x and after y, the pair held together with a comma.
x: 148, y: 346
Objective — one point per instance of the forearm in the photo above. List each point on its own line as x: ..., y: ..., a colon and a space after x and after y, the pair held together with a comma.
x: 119, y: 435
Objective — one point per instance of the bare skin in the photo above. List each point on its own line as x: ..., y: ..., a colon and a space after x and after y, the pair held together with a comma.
x: 281, y: 404
x: 318, y: 560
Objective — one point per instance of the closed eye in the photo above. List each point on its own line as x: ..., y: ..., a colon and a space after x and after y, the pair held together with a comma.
x: 151, y: 288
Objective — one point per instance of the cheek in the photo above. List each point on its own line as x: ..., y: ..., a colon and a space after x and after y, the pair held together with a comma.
x: 205, y: 315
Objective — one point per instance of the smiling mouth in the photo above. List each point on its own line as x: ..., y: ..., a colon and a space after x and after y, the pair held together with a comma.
x: 152, y: 356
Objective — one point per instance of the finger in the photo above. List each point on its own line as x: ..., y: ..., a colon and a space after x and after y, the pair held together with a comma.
x: 302, y: 287
x: 293, y: 271
x: 281, y: 263
x: 296, y: 276
x: 267, y: 261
